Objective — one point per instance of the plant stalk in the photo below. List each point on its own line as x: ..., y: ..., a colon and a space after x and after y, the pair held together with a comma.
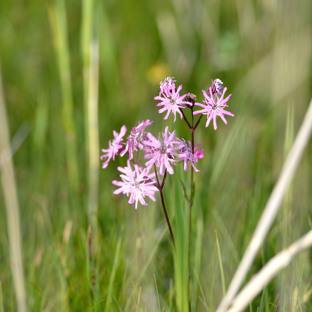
x: 160, y: 187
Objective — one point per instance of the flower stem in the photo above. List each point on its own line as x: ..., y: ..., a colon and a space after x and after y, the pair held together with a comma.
x: 198, y: 121
x: 185, y: 119
x: 166, y: 215
x: 160, y: 187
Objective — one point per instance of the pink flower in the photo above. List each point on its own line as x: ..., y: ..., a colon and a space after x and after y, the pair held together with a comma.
x: 137, y: 183
x: 198, y: 154
x: 214, y: 107
x: 171, y: 100
x: 186, y: 155
x: 114, y: 147
x: 216, y: 86
x: 162, y: 152
x: 136, y: 138
x: 166, y: 84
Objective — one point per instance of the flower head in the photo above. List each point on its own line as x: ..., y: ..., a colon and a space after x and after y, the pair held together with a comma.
x: 136, y: 138
x: 171, y: 100
x: 216, y: 86
x: 162, y: 152
x: 187, y: 156
x: 166, y: 84
x: 114, y: 146
x: 137, y: 184
x: 198, y: 154
x: 213, y: 107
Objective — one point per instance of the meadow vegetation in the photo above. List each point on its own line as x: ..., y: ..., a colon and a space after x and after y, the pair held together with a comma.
x: 72, y: 71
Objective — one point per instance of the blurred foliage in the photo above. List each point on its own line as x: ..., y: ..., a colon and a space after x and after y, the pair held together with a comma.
x: 262, y: 52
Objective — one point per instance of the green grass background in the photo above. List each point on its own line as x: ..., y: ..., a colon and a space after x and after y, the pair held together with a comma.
x: 262, y: 52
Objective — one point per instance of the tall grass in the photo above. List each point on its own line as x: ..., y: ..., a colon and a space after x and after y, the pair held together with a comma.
x: 181, y: 234
x: 58, y: 21
x: 12, y: 208
x: 57, y: 57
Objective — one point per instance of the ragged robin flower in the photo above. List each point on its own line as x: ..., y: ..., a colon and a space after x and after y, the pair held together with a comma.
x: 136, y: 138
x: 186, y: 155
x: 162, y: 152
x: 216, y: 87
x: 198, y: 154
x: 115, y: 146
x: 136, y: 184
x: 213, y: 107
x: 171, y: 100
x: 166, y: 84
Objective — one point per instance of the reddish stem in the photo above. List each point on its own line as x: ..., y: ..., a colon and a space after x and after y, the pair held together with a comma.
x: 160, y: 187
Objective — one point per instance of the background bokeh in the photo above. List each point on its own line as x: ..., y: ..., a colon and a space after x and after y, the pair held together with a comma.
x: 261, y: 50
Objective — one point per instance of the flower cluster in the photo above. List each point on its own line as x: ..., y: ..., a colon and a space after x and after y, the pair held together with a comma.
x: 162, y: 153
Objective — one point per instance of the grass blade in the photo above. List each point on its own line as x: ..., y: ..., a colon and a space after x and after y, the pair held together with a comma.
x: 221, y: 265
x: 112, y: 276
x: 181, y: 250
x: 93, y: 138
x: 1, y: 299
x: 158, y: 300
x: 58, y: 21
x: 12, y: 209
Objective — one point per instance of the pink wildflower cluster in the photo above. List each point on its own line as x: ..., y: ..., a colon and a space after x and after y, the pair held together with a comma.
x: 162, y: 153
x: 214, y: 102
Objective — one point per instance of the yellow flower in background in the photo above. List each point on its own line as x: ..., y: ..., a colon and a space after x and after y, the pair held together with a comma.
x: 157, y: 72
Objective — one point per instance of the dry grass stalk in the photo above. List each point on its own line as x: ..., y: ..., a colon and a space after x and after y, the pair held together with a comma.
x: 11, y: 204
x: 271, y: 209
x: 266, y: 274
